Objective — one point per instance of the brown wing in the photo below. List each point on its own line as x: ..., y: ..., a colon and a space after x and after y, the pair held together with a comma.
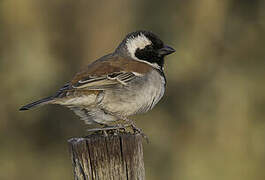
x: 107, y: 72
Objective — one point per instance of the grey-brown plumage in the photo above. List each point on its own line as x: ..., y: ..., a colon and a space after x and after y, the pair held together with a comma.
x: 126, y: 82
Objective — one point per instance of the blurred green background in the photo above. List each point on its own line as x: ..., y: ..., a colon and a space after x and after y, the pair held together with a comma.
x: 210, y: 123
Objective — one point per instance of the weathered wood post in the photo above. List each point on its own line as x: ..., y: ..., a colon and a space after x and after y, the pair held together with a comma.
x: 97, y: 157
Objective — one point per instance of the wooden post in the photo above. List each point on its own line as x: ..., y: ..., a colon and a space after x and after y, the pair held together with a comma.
x: 97, y: 157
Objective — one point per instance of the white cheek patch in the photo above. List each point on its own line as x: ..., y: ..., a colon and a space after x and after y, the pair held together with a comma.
x: 134, y: 43
x: 140, y: 41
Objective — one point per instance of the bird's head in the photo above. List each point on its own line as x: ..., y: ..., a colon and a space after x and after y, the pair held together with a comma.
x: 145, y: 46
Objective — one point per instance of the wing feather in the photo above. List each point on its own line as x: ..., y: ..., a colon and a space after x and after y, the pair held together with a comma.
x: 106, y: 81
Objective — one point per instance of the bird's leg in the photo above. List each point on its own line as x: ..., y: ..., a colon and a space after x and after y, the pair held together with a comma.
x: 130, y: 123
x: 120, y: 126
x: 135, y: 128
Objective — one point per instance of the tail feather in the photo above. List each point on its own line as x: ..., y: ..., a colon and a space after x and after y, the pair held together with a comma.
x: 37, y: 103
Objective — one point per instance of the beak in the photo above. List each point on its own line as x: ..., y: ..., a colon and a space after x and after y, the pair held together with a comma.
x: 166, y: 50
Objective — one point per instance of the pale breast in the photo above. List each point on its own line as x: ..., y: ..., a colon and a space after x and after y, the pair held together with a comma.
x: 141, y: 95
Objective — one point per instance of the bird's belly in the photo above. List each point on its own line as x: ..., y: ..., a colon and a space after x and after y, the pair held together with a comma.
x: 139, y: 97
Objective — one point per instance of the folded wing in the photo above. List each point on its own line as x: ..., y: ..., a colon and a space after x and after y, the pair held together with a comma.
x: 105, y: 81
x: 105, y: 73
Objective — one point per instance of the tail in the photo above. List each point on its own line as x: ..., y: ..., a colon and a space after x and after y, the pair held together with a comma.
x: 37, y: 103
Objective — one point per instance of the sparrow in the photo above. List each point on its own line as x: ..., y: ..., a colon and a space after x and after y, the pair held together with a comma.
x: 129, y: 81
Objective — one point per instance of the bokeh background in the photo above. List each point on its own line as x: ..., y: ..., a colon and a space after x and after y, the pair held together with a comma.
x: 210, y: 123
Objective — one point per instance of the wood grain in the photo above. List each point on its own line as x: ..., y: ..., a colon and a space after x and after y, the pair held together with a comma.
x: 115, y: 157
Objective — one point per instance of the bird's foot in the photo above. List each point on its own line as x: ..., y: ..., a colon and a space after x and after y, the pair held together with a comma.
x: 106, y: 129
x: 138, y: 130
x: 134, y: 128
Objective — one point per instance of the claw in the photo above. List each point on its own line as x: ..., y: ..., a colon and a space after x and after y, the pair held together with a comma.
x: 105, y: 133
x: 140, y: 131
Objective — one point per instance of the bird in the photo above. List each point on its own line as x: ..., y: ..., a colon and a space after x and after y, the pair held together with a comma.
x: 126, y: 82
